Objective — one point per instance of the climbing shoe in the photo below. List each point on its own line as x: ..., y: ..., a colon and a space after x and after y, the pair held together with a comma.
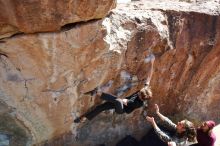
x: 92, y: 92
x: 77, y: 120
x: 80, y: 120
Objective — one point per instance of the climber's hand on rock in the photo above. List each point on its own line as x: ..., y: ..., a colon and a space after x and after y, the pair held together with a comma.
x: 149, y: 58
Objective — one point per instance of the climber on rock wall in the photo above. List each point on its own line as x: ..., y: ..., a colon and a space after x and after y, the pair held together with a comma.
x: 126, y: 105
x: 184, y: 131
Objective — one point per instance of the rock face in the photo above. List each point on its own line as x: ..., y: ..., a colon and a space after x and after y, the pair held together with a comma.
x: 48, y: 15
x: 43, y: 76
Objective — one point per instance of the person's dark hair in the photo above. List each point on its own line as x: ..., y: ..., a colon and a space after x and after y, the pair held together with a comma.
x: 190, y: 132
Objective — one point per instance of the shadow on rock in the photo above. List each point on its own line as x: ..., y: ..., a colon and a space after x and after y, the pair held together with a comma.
x: 150, y: 139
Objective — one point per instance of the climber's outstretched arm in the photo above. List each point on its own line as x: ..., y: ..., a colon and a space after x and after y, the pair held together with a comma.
x: 151, y: 59
x: 163, y: 136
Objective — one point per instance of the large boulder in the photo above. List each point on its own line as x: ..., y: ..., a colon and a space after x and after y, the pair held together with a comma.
x: 43, y: 76
x: 29, y: 16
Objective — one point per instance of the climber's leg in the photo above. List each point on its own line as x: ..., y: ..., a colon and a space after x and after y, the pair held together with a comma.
x: 98, y: 109
x: 108, y: 97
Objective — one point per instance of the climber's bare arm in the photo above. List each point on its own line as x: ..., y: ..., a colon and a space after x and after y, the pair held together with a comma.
x: 151, y: 59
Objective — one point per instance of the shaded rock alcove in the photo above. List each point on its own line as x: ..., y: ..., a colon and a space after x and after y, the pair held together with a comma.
x: 12, y: 131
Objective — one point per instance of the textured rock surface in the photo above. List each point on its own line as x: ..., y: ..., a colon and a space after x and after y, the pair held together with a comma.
x: 44, y: 75
x: 48, y: 15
